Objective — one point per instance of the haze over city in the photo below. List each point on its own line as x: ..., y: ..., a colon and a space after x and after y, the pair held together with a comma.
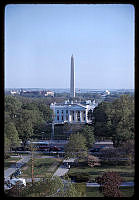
x: 40, y: 39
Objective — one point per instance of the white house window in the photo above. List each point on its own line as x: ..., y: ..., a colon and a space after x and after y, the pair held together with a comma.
x: 78, y: 115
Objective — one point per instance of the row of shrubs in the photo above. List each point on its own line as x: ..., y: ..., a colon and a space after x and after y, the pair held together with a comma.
x: 79, y: 177
x: 115, y: 162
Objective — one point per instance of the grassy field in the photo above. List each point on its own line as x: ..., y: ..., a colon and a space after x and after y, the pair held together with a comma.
x: 127, y: 191
x: 10, y: 161
x: 46, y: 166
x: 42, y: 167
x: 126, y: 172
x: 94, y: 192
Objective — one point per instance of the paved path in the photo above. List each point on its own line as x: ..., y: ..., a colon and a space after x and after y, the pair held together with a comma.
x: 61, y: 171
x: 14, y: 167
x: 35, y: 179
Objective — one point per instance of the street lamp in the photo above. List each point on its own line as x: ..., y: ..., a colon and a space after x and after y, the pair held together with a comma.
x: 52, y: 133
x: 53, y: 124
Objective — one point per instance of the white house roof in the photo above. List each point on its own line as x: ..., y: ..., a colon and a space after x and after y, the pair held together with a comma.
x: 68, y: 106
x: 69, y: 160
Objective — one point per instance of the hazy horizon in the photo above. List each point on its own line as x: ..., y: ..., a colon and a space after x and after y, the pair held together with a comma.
x: 75, y: 88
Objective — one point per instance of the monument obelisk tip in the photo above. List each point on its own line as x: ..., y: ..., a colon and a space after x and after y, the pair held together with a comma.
x: 72, y: 79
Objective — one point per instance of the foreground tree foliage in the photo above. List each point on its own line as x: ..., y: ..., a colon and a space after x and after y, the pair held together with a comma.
x: 109, y: 184
x: 115, y: 120
x: 48, y: 187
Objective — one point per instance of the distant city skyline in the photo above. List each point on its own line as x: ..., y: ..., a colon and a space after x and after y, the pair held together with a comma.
x: 40, y: 40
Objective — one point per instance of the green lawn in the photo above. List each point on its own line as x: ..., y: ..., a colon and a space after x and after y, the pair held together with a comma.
x: 42, y: 167
x: 94, y: 192
x: 127, y: 191
x: 10, y: 161
x: 126, y: 172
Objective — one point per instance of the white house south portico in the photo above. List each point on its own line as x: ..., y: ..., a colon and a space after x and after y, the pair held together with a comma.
x: 72, y: 111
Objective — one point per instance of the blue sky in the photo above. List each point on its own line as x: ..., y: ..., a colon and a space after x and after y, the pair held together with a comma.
x: 40, y: 39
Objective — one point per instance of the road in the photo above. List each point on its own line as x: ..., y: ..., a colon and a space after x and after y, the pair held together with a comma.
x: 129, y: 184
x: 14, y: 167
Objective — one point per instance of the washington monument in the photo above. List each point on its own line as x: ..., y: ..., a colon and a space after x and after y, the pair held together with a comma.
x: 72, y: 79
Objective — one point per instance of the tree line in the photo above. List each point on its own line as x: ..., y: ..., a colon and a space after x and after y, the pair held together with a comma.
x: 27, y: 118
x: 115, y: 120
x: 24, y: 119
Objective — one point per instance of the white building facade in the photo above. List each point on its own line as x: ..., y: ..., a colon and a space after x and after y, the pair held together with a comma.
x: 72, y: 112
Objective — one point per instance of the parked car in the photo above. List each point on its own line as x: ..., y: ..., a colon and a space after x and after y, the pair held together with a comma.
x: 96, y: 149
x: 54, y: 148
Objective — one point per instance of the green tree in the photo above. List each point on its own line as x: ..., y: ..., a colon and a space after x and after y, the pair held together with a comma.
x: 102, y: 122
x: 7, y: 145
x: 76, y: 147
x: 115, y: 120
x: 88, y: 133
x: 12, y: 105
x: 24, y: 125
x: 42, y: 131
x: 128, y: 148
x: 46, y: 112
x: 122, y: 119
x: 11, y: 135
x: 27, y: 122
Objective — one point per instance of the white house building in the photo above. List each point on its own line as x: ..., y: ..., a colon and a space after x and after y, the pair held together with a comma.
x: 73, y: 112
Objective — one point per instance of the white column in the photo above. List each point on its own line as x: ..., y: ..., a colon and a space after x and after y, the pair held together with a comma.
x: 86, y: 115
x: 64, y: 114
x: 80, y: 116
x: 69, y: 116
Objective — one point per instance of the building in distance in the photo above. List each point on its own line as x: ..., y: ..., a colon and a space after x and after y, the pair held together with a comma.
x: 32, y: 93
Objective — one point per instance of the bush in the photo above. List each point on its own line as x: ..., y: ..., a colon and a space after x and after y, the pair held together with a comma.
x: 83, y: 177
x: 115, y: 162
x: 6, y: 156
x: 109, y: 184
